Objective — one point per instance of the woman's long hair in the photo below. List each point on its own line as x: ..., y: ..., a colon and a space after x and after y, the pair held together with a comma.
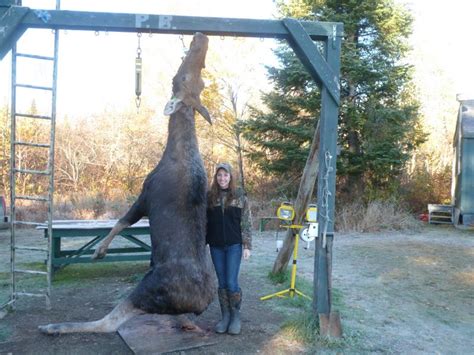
x: 213, y: 194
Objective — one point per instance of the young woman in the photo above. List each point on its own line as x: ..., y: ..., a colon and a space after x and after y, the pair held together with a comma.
x: 229, y: 238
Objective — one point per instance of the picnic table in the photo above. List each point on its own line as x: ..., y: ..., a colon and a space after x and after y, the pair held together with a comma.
x: 88, y: 233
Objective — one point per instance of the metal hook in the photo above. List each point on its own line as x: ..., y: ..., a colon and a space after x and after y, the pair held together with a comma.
x: 185, y: 49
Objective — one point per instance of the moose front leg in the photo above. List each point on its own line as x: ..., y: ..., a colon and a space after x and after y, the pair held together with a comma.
x: 101, y: 251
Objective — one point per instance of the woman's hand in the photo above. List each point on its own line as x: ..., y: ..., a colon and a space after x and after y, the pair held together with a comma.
x: 246, y: 254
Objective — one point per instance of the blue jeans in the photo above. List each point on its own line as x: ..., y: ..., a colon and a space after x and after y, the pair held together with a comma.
x: 227, y: 264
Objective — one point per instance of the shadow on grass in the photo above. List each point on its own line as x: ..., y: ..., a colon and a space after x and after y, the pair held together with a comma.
x: 129, y: 272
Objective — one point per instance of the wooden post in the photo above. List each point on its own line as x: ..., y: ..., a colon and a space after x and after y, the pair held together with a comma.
x: 326, y: 185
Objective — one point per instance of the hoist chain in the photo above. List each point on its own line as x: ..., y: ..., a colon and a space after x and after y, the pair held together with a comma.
x: 138, y: 74
x: 326, y: 194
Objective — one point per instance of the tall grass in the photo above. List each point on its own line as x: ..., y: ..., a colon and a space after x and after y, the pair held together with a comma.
x: 76, y: 206
x: 373, y: 217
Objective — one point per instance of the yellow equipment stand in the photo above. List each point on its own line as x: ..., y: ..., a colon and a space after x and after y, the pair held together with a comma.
x: 292, y: 290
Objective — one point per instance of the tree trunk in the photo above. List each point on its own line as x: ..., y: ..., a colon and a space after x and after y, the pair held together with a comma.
x: 240, y: 160
x: 305, y: 192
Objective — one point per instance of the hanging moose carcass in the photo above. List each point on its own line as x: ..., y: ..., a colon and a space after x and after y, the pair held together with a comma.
x: 181, y: 278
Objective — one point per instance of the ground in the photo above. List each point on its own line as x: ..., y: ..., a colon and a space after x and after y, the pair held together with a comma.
x: 397, y: 292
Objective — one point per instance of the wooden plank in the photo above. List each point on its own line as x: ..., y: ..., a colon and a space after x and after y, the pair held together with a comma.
x: 92, y: 224
x: 151, y: 23
x: 72, y: 252
x: 11, y: 28
x: 326, y: 184
x: 163, y: 334
x: 440, y: 208
x: 107, y: 258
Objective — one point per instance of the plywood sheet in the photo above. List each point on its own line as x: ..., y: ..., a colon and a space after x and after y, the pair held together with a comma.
x: 158, y: 334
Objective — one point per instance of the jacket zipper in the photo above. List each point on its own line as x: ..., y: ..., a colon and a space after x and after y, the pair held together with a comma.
x: 223, y: 219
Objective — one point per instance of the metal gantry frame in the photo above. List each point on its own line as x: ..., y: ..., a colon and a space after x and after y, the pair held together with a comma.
x: 323, y: 67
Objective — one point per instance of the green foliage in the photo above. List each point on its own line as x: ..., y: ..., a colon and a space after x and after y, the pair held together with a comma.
x: 5, y: 332
x: 281, y: 138
x: 303, y: 326
x: 378, y: 122
x: 279, y: 277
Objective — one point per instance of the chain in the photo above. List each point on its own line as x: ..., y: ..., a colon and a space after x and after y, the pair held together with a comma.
x: 326, y: 194
x: 138, y: 74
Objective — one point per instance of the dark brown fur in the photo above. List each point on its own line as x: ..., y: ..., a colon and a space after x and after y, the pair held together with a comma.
x: 173, y: 197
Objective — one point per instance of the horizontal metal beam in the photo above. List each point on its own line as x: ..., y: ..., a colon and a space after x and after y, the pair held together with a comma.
x: 123, y: 22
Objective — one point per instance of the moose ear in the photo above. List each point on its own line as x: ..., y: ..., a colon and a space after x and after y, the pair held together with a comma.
x: 204, y: 113
x: 172, y: 106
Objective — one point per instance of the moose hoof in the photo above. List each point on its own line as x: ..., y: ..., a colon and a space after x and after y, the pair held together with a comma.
x: 49, y: 329
x: 188, y: 325
x: 99, y: 253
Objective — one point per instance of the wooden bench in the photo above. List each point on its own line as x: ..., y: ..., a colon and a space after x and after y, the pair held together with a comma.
x: 88, y: 233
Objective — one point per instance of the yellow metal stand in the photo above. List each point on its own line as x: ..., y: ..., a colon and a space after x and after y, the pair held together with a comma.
x: 292, y: 290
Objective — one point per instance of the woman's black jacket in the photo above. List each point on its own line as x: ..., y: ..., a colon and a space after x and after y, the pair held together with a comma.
x: 229, y: 225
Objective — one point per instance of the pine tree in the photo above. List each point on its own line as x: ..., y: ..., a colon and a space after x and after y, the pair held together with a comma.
x: 378, y: 123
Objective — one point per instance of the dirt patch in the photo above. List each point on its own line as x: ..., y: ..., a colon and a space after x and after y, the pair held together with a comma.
x: 397, y: 293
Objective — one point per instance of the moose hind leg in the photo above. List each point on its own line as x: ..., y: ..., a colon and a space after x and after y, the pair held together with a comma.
x: 110, y: 323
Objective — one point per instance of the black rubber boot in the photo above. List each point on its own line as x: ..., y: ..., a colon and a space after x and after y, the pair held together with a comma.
x: 223, y: 324
x: 235, y: 300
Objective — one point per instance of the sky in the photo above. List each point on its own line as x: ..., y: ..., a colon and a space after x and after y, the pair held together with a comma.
x: 443, y: 39
x: 443, y: 53
x: 96, y: 70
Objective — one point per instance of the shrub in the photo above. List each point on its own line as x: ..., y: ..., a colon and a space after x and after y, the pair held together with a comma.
x: 423, y: 187
x: 374, y: 216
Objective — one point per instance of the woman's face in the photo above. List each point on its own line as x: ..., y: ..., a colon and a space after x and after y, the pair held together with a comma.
x: 223, y: 178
